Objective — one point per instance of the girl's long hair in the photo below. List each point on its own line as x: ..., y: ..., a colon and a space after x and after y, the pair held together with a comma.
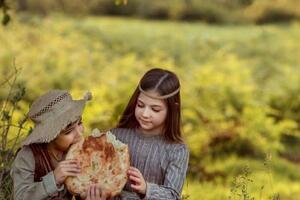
x: 164, y: 82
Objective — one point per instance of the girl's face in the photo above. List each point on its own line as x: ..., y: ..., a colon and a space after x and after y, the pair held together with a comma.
x: 64, y: 140
x: 151, y: 113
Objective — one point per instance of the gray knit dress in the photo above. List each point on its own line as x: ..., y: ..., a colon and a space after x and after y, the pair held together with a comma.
x: 162, y: 164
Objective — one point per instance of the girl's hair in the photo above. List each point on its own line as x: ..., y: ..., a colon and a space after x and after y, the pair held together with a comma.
x: 164, y: 82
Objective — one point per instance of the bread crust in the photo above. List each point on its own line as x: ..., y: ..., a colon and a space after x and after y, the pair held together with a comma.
x: 104, y: 161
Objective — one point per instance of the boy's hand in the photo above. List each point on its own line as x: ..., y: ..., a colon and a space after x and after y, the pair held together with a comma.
x: 137, y: 179
x: 64, y: 169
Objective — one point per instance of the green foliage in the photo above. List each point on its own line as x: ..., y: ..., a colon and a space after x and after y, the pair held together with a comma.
x: 11, y: 128
x: 216, y: 11
x: 239, y: 188
x: 240, y: 87
x: 5, y: 8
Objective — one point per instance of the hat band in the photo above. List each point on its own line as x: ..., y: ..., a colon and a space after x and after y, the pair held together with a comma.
x: 49, y: 105
x: 159, y: 97
x: 59, y: 111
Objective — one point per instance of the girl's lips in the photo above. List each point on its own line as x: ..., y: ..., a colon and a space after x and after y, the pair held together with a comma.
x: 145, y: 122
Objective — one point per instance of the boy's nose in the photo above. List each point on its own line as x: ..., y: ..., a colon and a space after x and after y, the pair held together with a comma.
x: 79, y: 130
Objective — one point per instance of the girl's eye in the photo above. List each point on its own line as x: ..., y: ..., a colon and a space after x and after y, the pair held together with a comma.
x: 140, y: 105
x: 156, y: 110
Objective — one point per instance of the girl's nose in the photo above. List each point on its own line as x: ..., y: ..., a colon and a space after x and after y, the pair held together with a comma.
x: 146, y: 112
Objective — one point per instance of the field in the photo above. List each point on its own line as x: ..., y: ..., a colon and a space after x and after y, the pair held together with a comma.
x: 240, y: 90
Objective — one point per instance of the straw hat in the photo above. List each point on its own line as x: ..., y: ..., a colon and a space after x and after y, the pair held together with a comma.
x: 51, y: 113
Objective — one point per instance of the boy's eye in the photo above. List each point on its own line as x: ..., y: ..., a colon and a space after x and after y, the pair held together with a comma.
x: 68, y: 132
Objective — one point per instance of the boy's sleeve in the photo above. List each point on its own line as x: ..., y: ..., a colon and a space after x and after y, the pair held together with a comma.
x: 174, y: 178
x: 23, y: 177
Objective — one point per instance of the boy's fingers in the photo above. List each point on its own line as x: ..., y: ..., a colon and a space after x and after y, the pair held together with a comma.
x: 71, y: 174
x: 70, y: 165
x: 88, y: 194
x: 103, y: 196
x: 97, y: 192
x: 71, y: 169
x: 93, y: 192
x: 70, y: 161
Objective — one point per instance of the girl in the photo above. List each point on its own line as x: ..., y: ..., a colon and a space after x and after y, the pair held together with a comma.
x: 39, y: 169
x: 150, y: 125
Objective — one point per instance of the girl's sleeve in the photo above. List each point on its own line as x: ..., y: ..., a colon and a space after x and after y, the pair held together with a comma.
x: 174, y: 177
x: 23, y: 177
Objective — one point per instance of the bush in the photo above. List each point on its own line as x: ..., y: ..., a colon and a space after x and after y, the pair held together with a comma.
x: 10, y: 132
x: 217, y: 11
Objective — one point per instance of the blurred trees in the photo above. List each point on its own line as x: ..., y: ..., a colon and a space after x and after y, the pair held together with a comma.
x: 216, y: 11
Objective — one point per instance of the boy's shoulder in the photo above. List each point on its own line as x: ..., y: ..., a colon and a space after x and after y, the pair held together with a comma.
x: 25, y: 151
x: 24, y: 159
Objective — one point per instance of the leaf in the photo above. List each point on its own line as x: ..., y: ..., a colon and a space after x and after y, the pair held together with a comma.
x: 5, y: 116
x: 5, y: 19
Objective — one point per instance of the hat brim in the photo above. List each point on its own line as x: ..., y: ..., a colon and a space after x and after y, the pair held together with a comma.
x: 47, y: 131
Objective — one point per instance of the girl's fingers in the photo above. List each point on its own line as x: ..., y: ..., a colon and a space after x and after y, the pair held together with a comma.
x: 135, y: 187
x: 133, y: 173
x: 133, y: 169
x: 135, y: 180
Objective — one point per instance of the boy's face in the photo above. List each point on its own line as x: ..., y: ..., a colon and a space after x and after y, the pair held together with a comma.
x: 64, y: 140
x: 151, y: 113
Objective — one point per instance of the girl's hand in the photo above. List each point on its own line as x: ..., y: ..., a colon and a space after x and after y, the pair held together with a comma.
x: 64, y: 169
x: 94, y: 193
x: 137, y: 179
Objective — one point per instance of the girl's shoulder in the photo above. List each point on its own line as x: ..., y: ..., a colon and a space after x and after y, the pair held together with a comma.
x: 174, y: 149
x: 120, y: 131
x: 117, y: 130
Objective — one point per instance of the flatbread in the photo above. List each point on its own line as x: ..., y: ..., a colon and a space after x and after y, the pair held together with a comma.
x: 104, y: 161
